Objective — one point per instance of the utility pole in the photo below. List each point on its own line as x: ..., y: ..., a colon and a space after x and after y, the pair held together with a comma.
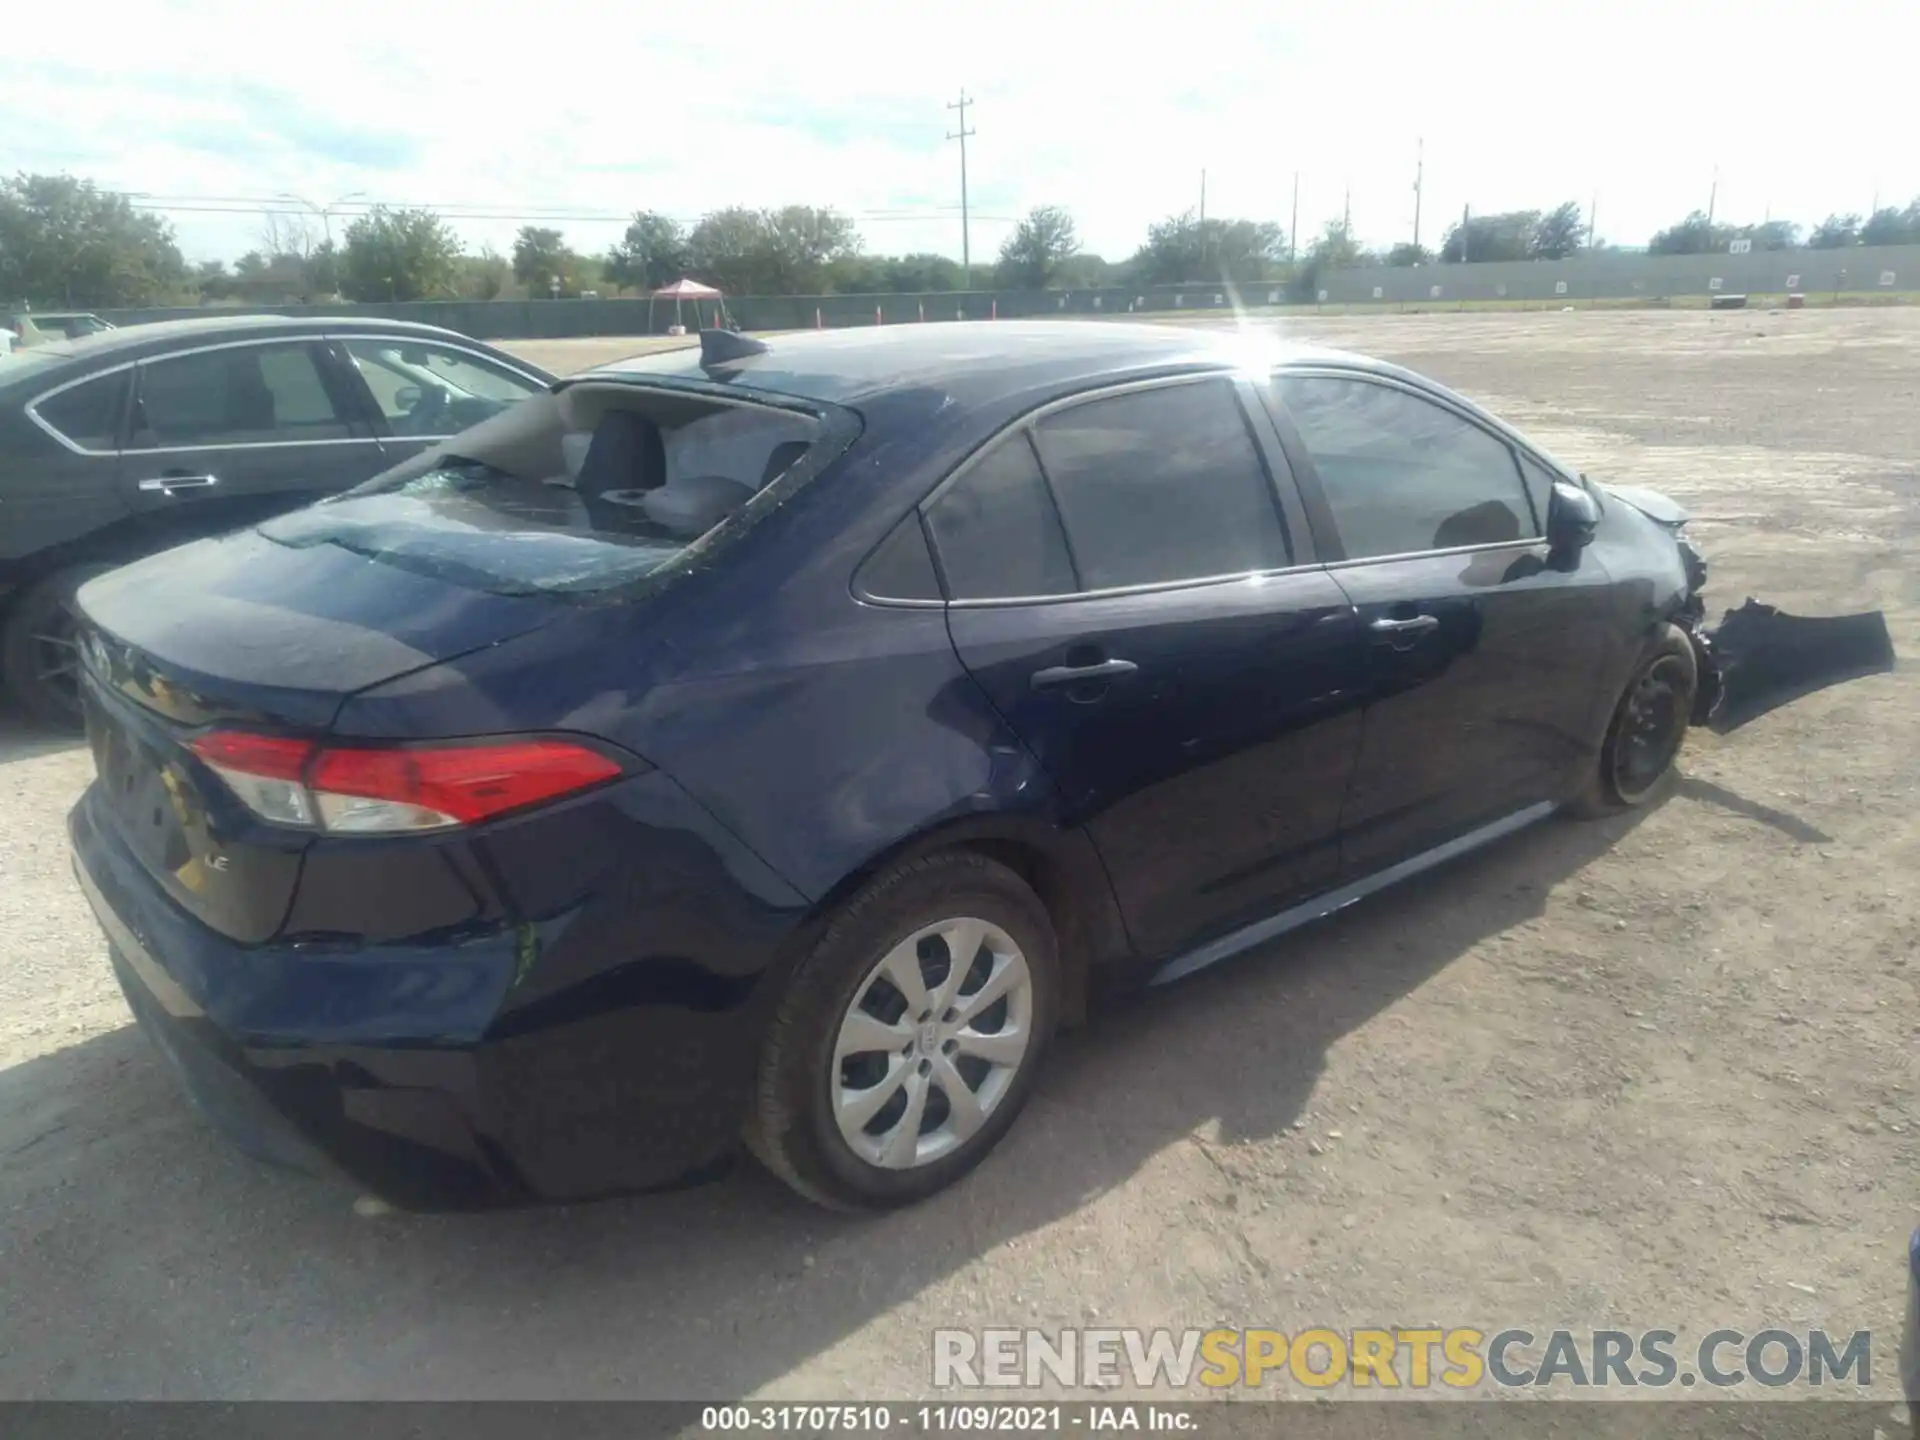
x: 1203, y: 196
x: 1466, y: 231
x: 1593, y: 218
x: 966, y: 242
x: 1346, y: 213
x: 1713, y: 195
x: 1419, y: 166
x: 1293, y: 230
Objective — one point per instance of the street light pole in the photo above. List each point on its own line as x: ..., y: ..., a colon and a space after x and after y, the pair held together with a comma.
x: 325, y: 212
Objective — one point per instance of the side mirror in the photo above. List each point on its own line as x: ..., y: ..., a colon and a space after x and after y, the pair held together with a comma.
x: 407, y: 398
x: 1572, y: 517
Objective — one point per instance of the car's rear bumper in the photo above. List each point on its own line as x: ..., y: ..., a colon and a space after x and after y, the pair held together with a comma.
x: 388, y: 1066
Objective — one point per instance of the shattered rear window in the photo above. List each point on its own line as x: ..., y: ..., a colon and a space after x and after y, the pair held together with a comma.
x: 577, y: 493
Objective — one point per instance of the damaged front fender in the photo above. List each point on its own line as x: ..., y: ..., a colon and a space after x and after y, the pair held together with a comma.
x: 1759, y: 658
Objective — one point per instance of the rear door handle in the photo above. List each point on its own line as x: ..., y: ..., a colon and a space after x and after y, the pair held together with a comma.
x: 167, y: 484
x: 1412, y: 625
x: 1055, y: 676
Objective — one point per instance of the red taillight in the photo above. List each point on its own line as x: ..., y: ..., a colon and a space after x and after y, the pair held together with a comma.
x: 384, y: 790
x: 267, y: 757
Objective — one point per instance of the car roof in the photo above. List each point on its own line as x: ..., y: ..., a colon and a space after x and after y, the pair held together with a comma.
x: 129, y: 341
x: 977, y: 363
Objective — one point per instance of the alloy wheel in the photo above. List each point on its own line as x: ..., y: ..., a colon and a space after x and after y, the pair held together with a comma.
x: 931, y: 1043
x: 1652, y: 725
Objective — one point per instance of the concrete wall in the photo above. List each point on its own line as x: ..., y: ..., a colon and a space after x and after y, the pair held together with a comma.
x: 1646, y: 277
x: 1545, y: 282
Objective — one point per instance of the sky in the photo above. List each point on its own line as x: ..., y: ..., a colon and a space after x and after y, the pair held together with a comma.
x: 603, y: 107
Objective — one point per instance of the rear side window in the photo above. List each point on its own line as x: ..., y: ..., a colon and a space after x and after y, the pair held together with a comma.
x: 246, y: 394
x: 997, y: 532
x: 902, y: 568
x: 1403, y: 475
x: 88, y: 414
x: 1161, y: 485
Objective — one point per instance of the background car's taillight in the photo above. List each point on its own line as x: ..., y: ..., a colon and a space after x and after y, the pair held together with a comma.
x: 375, y: 790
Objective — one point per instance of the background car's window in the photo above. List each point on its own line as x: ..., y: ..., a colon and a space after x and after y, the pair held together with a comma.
x: 1162, y: 485
x: 247, y: 394
x: 89, y: 413
x: 1402, y: 474
x: 430, y: 389
x: 997, y: 532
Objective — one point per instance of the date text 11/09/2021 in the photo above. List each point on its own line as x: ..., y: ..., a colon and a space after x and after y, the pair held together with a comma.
x: 945, y: 1419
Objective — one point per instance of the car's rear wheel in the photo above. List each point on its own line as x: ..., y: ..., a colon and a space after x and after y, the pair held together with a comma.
x: 1648, y: 728
x: 908, y: 1040
x: 40, y: 651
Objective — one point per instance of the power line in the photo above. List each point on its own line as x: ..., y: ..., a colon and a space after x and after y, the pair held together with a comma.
x: 966, y: 241
x: 275, y: 205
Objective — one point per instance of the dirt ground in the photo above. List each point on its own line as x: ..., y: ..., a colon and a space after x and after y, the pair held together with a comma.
x: 1656, y: 1072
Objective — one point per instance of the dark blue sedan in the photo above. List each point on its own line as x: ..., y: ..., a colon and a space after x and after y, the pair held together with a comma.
x: 778, y: 740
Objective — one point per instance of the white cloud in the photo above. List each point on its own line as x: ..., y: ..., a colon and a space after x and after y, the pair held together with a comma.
x: 598, y: 106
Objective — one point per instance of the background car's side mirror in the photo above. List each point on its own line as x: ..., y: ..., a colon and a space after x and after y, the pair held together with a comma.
x: 407, y: 398
x: 1572, y: 517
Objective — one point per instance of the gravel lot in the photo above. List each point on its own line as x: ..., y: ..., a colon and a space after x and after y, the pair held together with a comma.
x: 1652, y: 1072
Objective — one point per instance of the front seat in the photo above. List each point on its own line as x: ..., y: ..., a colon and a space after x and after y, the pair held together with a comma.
x: 248, y: 401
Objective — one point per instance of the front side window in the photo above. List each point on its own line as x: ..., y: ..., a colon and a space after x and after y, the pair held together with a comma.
x: 997, y: 532
x: 1404, y: 475
x: 426, y: 389
x: 240, y: 395
x: 88, y: 414
x: 1161, y: 485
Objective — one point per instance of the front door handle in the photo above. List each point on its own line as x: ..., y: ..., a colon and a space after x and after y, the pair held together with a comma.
x: 1055, y: 676
x: 1412, y: 625
x: 167, y: 484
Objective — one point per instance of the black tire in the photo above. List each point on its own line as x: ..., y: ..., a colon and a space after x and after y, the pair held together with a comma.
x: 792, y: 1129
x: 1649, y: 725
x: 37, y: 631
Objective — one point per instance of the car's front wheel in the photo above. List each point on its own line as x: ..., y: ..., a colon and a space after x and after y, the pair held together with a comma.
x: 908, y: 1040
x: 1648, y: 727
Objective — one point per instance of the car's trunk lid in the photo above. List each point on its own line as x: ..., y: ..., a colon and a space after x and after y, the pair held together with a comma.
x: 245, y: 633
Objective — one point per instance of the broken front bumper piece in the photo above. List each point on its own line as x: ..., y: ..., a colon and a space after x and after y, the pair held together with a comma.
x: 1759, y: 658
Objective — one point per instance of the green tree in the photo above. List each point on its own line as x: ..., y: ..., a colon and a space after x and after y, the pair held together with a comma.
x: 651, y: 254
x: 64, y: 241
x: 1510, y: 235
x: 399, y: 255
x: 1083, y: 271
x: 729, y: 249
x: 484, y: 276
x: 543, y: 262
x: 801, y: 242
x: 1184, y: 248
x: 770, y: 252
x: 213, y: 281
x: 922, y: 273
x: 1406, y: 253
x: 1835, y: 232
x: 1772, y: 235
x: 1695, y: 235
x: 1037, y: 247
x: 1888, y: 226
x: 1561, y: 232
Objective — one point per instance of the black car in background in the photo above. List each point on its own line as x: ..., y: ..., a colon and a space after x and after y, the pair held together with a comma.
x: 132, y: 440
x: 779, y: 737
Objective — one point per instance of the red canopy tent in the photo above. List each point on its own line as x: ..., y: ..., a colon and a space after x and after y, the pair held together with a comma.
x: 685, y: 289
